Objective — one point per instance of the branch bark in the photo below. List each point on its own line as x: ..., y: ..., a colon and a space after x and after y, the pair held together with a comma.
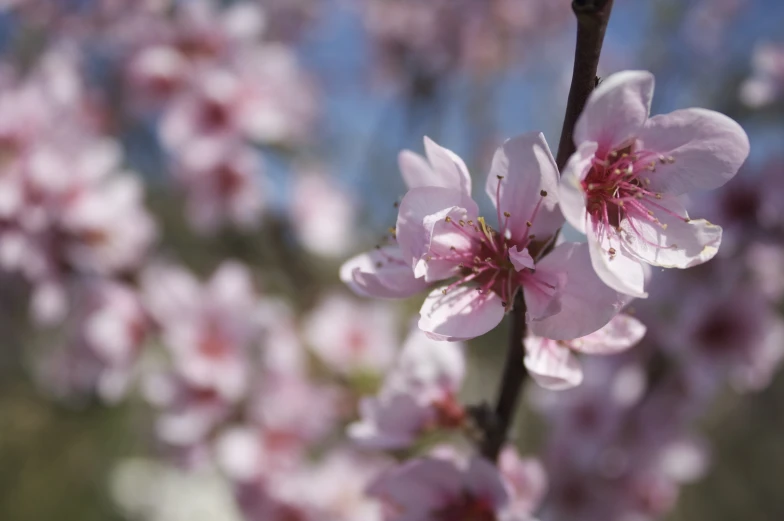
x: 592, y: 18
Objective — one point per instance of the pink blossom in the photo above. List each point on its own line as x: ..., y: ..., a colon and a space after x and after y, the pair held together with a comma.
x: 223, y: 184
x: 439, y: 489
x: 293, y: 411
x: 621, y: 187
x: 262, y: 96
x: 208, y: 328
x: 526, y: 478
x: 322, y: 214
x: 187, y: 415
x: 350, y: 336
x: 766, y: 83
x: 553, y: 364
x: 442, y: 236
x: 730, y: 332
x: 172, y: 52
x: 418, y: 395
x: 104, y: 337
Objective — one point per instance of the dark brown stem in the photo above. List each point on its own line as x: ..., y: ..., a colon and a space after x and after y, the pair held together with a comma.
x: 511, y: 384
x: 592, y: 19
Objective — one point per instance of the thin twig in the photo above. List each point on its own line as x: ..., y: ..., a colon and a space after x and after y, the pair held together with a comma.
x: 511, y: 384
x: 592, y: 19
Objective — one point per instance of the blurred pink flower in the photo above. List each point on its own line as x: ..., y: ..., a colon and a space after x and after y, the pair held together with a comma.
x: 552, y: 362
x: 350, y: 336
x: 262, y: 95
x: 621, y: 187
x: 208, y: 329
x: 766, y: 83
x: 322, y: 214
x: 104, y: 336
x: 418, y: 395
x: 441, y: 489
x: 223, y: 184
x: 730, y: 332
x: 527, y: 480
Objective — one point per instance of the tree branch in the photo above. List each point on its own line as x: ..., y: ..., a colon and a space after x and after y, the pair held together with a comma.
x: 511, y: 384
x: 592, y: 19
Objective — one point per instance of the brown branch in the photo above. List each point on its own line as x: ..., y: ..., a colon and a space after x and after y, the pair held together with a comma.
x: 511, y: 384
x: 592, y: 19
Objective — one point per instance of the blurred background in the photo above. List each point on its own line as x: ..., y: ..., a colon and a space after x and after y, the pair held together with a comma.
x: 180, y: 173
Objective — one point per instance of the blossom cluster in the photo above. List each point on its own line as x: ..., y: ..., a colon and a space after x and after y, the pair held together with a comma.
x: 271, y: 395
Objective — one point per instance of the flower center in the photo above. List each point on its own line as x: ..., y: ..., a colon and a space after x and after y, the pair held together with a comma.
x: 618, y: 186
x: 467, y: 508
x: 485, y: 261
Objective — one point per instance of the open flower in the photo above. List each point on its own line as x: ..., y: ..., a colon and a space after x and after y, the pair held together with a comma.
x: 621, y: 186
x: 443, y: 238
x: 552, y: 364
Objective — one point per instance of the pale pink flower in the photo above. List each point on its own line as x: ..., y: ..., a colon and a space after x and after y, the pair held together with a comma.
x: 526, y: 479
x: 621, y: 187
x: 108, y: 227
x: 766, y: 265
x: 440, y: 489
x: 350, y: 336
x: 263, y: 96
x: 418, y: 395
x: 223, y: 184
x: 322, y: 214
x: 104, y: 337
x: 208, y: 328
x: 293, y: 411
x: 199, y: 34
x: 332, y: 489
x: 766, y: 83
x: 188, y: 415
x: 442, y: 236
x: 730, y: 332
x: 552, y: 362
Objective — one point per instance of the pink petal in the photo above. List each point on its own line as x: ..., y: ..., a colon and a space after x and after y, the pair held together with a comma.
x: 450, y: 171
x: 416, y: 171
x: 673, y: 242
x: 527, y: 478
x: 708, y: 149
x: 616, y: 111
x: 551, y: 365
x: 587, y: 303
x: 527, y: 168
x: 381, y: 273
x: 483, y: 480
x: 622, y: 271
x: 621, y: 333
x: 389, y: 423
x: 461, y: 314
x: 419, y: 485
x: 521, y: 259
x: 412, y: 235
x: 542, y: 291
x: 447, y: 240
x: 570, y: 189
x: 445, y: 169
